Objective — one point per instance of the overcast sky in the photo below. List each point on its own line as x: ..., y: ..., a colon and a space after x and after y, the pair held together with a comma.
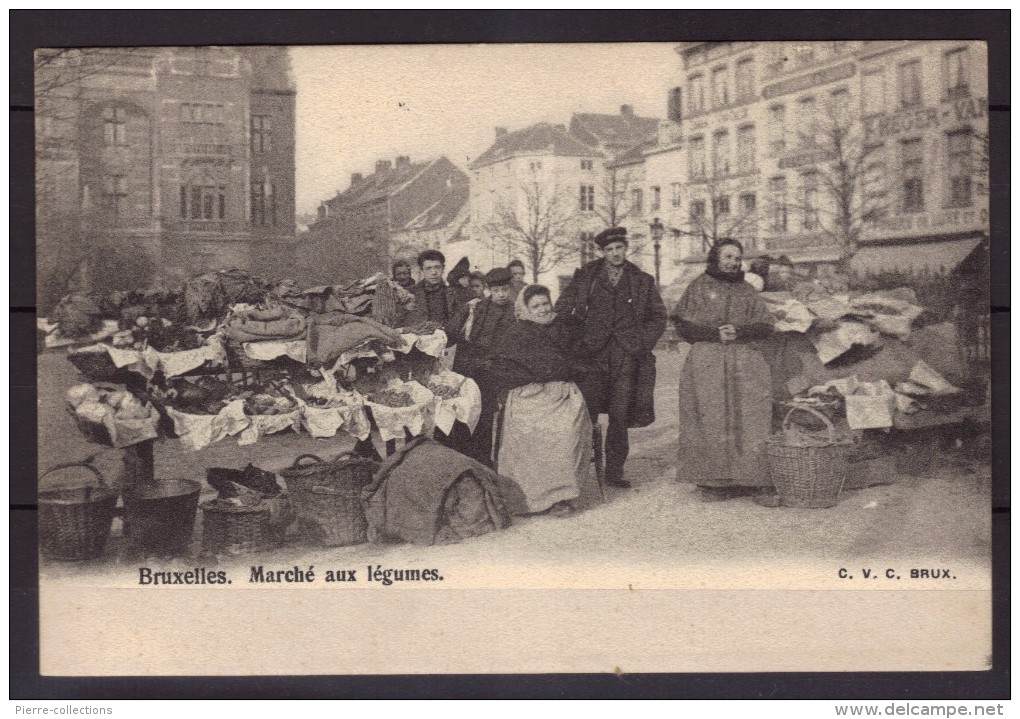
x: 359, y: 104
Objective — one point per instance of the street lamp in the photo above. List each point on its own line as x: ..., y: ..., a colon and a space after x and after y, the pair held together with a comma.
x: 657, y: 229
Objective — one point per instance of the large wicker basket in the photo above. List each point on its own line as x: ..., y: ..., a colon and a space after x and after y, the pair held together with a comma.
x: 327, y: 498
x: 236, y: 530
x: 808, y: 476
x: 74, y: 522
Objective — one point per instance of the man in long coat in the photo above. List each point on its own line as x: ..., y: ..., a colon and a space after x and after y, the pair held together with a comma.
x: 619, y: 317
x: 476, y: 330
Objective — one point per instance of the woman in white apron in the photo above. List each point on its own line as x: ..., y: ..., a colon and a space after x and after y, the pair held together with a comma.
x: 545, y: 444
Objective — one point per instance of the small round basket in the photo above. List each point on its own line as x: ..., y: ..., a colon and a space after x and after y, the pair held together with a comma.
x: 809, y: 474
x: 75, y: 522
x: 235, y: 530
x: 327, y: 498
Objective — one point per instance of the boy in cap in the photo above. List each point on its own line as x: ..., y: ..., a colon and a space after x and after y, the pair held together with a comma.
x: 619, y: 316
x: 477, y: 330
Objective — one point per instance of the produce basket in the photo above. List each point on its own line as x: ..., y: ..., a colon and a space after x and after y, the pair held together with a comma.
x: 236, y: 530
x: 327, y: 497
x: 74, y: 522
x: 94, y: 364
x: 808, y: 471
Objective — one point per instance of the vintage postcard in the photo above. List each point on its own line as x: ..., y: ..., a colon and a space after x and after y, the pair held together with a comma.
x: 644, y: 357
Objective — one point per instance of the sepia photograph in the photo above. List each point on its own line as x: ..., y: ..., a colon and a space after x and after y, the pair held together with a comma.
x: 514, y: 358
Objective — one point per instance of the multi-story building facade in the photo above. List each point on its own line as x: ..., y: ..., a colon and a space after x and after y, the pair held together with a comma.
x: 541, y: 193
x: 823, y: 150
x: 360, y: 230
x: 164, y: 160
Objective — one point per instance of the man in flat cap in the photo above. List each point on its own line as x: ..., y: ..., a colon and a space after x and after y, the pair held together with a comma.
x: 618, y: 316
x: 476, y: 329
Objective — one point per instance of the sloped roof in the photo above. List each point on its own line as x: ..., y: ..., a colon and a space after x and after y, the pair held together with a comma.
x: 543, y: 138
x: 379, y: 185
x: 632, y: 156
x: 443, y: 212
x: 613, y: 131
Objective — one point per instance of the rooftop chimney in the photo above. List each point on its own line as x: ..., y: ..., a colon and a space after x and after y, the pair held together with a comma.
x: 382, y: 165
x: 627, y: 110
x: 403, y: 160
x: 500, y: 132
x: 356, y: 177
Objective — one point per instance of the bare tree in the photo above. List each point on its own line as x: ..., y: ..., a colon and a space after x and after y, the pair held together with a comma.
x: 539, y: 226
x: 718, y: 210
x: 844, y: 191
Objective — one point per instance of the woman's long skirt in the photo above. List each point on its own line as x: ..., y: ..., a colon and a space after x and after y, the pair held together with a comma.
x: 546, y: 447
x: 725, y: 416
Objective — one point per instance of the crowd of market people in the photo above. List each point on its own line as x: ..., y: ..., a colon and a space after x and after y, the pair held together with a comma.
x: 547, y: 371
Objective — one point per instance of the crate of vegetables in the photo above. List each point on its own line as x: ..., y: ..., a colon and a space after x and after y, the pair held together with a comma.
x: 112, y: 416
x: 457, y: 398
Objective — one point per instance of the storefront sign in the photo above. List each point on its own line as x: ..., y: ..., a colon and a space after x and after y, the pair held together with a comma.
x: 927, y: 223
x: 820, y: 77
x: 923, y: 118
x: 806, y: 158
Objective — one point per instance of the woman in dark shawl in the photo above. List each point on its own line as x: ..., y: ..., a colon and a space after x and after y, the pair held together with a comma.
x: 545, y: 445
x: 725, y: 387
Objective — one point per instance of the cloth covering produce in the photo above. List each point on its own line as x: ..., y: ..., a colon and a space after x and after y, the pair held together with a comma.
x: 429, y: 494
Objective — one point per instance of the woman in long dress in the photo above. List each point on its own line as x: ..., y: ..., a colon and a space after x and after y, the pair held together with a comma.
x: 725, y: 386
x: 546, y: 440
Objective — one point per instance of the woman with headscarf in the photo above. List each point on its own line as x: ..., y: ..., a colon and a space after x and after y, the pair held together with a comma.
x: 546, y: 440
x: 725, y: 387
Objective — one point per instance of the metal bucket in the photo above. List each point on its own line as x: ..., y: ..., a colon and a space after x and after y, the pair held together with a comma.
x: 160, y: 518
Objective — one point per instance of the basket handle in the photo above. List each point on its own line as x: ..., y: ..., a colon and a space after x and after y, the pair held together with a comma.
x: 297, y: 462
x: 85, y: 464
x: 830, y: 429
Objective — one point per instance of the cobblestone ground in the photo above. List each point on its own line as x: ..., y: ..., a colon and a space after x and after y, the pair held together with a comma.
x: 939, y: 518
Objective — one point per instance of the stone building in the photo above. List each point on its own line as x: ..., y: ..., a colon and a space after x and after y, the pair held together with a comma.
x: 822, y: 150
x: 156, y: 162
x: 360, y: 230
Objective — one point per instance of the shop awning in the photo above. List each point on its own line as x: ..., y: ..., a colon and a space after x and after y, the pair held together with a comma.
x: 935, y: 256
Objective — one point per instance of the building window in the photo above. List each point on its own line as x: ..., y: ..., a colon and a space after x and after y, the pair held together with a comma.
x: 841, y: 106
x: 202, y: 113
x: 811, y: 220
x: 959, y: 144
x: 720, y: 87
x: 696, y: 98
x: 745, y: 149
x: 874, y: 192
x: 263, y: 204
x: 910, y: 83
x: 745, y: 79
x: 777, y: 128
x: 913, y: 182
x: 115, y: 126
x: 808, y: 121
x: 587, y: 199
x: 656, y: 198
x: 748, y: 203
x: 697, y: 158
x: 721, y: 206
x: 697, y: 210
x: 674, y: 191
x: 587, y: 165
x: 777, y: 192
x: 637, y: 201
x: 535, y: 165
x: 115, y: 189
x: 261, y: 133
x: 874, y: 93
x: 721, y: 154
x: 954, y: 65
x: 203, y: 202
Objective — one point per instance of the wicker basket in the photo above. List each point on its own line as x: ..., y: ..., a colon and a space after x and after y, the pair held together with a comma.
x: 236, y: 530
x: 327, y: 497
x: 811, y: 476
x: 74, y: 522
